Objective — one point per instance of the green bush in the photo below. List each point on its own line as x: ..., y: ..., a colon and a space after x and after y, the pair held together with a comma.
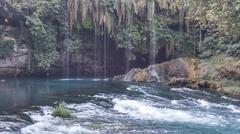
x: 62, y: 111
x: 6, y: 48
x: 88, y: 23
x: 44, y: 42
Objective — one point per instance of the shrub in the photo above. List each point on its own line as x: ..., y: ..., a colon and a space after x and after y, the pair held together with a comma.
x: 62, y: 111
x: 6, y: 48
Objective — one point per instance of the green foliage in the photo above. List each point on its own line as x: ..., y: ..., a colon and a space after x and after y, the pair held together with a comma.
x: 43, y: 32
x: 6, y: 48
x: 62, y: 111
x: 128, y: 37
x: 220, y: 23
x: 234, y: 50
x: 214, y: 45
x: 137, y: 37
x: 43, y: 42
x: 88, y: 23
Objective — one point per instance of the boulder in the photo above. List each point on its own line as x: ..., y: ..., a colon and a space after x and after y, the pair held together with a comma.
x: 178, y: 68
x: 140, y: 76
x: 180, y: 82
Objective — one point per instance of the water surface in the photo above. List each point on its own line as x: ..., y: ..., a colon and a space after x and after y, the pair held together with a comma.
x: 107, y: 107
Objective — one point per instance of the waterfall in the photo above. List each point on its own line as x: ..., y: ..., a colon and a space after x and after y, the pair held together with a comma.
x: 153, y: 48
x: 105, y: 51
x: 16, y: 61
x: 181, y: 19
x: 66, y: 61
x: 200, y: 37
x: 95, y: 50
x: 29, y: 60
x: 17, y: 50
x: 127, y: 53
x: 66, y: 53
x: 151, y: 11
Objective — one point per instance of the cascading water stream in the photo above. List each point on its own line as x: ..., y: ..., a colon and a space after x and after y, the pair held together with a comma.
x: 127, y: 55
x: 153, y: 48
x: 200, y: 38
x: 105, y: 52
x: 181, y: 16
x: 66, y: 53
x: 151, y: 11
x: 95, y: 50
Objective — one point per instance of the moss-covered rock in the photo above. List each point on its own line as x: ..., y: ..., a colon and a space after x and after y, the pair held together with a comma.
x: 62, y: 111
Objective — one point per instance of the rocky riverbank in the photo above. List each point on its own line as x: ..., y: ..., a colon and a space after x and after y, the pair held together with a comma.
x: 218, y: 73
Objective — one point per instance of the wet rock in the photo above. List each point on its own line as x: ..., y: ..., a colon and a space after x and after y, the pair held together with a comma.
x: 179, y: 68
x: 129, y: 76
x: 141, y: 76
x: 118, y: 77
x: 215, y: 86
x: 180, y: 82
x: 13, y: 66
x: 204, y: 84
x: 192, y: 86
x: 192, y: 73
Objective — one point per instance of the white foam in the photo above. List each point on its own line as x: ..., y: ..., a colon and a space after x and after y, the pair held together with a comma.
x: 145, y: 111
x: 80, y: 79
x: 102, y: 96
x: 86, y: 110
x: 141, y: 90
x: 49, y: 128
x: 206, y: 104
x: 203, y: 103
x: 71, y: 79
x: 174, y: 102
x: 105, y: 79
x: 43, y: 114
x: 184, y: 89
x: 45, y: 123
x: 234, y: 108
x: 228, y: 98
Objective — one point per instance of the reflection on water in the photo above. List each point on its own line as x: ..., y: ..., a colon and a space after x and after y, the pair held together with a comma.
x: 102, y: 106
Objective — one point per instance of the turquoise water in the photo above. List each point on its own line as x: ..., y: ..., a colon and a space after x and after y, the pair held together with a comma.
x: 107, y: 107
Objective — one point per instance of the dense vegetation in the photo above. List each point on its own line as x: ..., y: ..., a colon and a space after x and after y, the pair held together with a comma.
x: 6, y: 47
x: 180, y: 27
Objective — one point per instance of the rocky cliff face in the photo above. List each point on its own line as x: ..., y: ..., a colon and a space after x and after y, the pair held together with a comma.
x: 16, y: 62
x: 10, y: 16
x: 80, y: 62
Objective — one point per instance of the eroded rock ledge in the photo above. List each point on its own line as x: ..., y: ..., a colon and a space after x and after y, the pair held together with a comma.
x: 220, y: 73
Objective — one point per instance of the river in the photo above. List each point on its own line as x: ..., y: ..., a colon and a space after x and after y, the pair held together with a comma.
x: 101, y: 106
